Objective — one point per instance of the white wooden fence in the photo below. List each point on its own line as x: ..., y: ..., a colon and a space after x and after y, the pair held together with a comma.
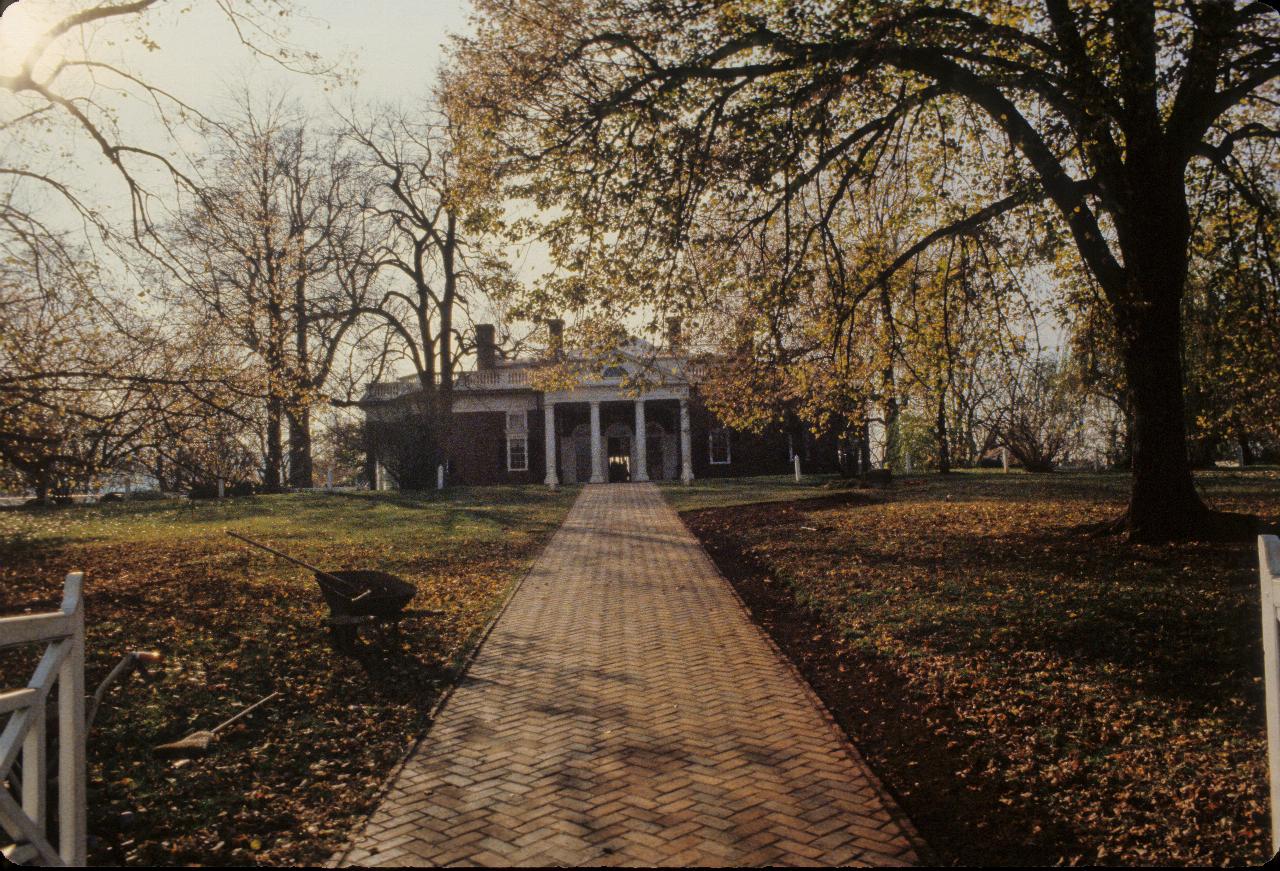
x: 27, y: 822
x: 1269, y: 578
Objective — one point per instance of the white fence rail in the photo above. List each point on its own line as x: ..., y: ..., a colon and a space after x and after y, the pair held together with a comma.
x: 25, y: 817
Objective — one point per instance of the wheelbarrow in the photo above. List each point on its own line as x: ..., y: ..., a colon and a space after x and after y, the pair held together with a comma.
x: 355, y: 597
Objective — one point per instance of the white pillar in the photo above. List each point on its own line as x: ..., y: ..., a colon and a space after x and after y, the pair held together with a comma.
x: 686, y: 447
x: 641, y: 445
x: 797, y: 465
x: 597, y: 445
x: 440, y: 476
x: 549, y: 431
x: 1004, y: 458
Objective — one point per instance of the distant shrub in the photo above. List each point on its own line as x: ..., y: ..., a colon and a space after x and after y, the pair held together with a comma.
x: 210, y: 491
x: 145, y: 496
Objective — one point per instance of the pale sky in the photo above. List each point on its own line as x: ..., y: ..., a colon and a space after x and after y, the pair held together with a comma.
x: 389, y: 51
x: 394, y: 48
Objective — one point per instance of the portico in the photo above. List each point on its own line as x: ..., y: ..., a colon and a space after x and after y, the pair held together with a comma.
x: 597, y: 434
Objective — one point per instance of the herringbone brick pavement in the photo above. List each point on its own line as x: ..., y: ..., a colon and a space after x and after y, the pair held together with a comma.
x: 625, y: 711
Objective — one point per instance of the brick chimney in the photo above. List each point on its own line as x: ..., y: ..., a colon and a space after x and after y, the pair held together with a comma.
x: 674, y: 334
x: 555, y: 337
x: 486, y: 347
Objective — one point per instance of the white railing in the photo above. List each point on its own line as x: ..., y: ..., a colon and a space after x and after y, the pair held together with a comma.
x: 1269, y: 579
x: 483, y: 379
x: 27, y: 823
x: 379, y: 391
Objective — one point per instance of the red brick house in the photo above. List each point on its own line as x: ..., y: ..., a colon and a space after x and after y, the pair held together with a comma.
x: 506, y: 430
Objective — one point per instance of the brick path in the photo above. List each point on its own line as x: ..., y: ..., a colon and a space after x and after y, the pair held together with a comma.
x: 626, y: 711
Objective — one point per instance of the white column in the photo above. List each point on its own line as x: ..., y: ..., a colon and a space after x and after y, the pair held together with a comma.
x: 549, y: 428
x: 686, y: 447
x: 597, y: 445
x: 641, y: 446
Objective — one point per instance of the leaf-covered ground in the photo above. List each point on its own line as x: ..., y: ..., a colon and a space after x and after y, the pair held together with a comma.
x: 288, y: 784
x: 1030, y: 694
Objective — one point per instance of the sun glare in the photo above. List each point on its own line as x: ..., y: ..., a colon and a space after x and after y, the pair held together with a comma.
x: 20, y: 27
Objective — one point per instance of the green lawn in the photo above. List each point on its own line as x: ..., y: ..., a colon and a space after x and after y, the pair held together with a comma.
x: 1031, y: 694
x: 721, y: 492
x: 235, y: 624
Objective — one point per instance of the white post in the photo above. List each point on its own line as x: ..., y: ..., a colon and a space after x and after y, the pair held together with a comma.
x: 641, y: 445
x: 328, y: 479
x: 1269, y: 579
x: 440, y: 476
x: 597, y: 445
x: 71, y: 758
x: 797, y: 465
x: 549, y: 437
x: 686, y: 446
x: 34, y: 760
x: 222, y: 489
x: 1004, y: 458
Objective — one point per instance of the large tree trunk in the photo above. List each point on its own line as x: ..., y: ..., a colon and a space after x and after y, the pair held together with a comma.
x: 301, y: 468
x: 1154, y: 235
x: 447, y: 254
x: 300, y: 465
x: 1164, y: 504
x: 275, y: 447
x: 41, y: 486
x: 888, y: 382
x: 864, y: 447
x: 1246, y: 452
x: 944, y: 447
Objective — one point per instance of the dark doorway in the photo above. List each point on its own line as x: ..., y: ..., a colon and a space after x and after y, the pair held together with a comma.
x: 654, y: 458
x: 619, y: 458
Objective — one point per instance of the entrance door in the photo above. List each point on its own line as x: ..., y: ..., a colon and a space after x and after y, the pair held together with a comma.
x: 619, y: 448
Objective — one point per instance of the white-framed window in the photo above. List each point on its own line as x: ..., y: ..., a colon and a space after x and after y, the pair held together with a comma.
x: 718, y: 440
x: 518, y: 441
x: 517, y: 453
